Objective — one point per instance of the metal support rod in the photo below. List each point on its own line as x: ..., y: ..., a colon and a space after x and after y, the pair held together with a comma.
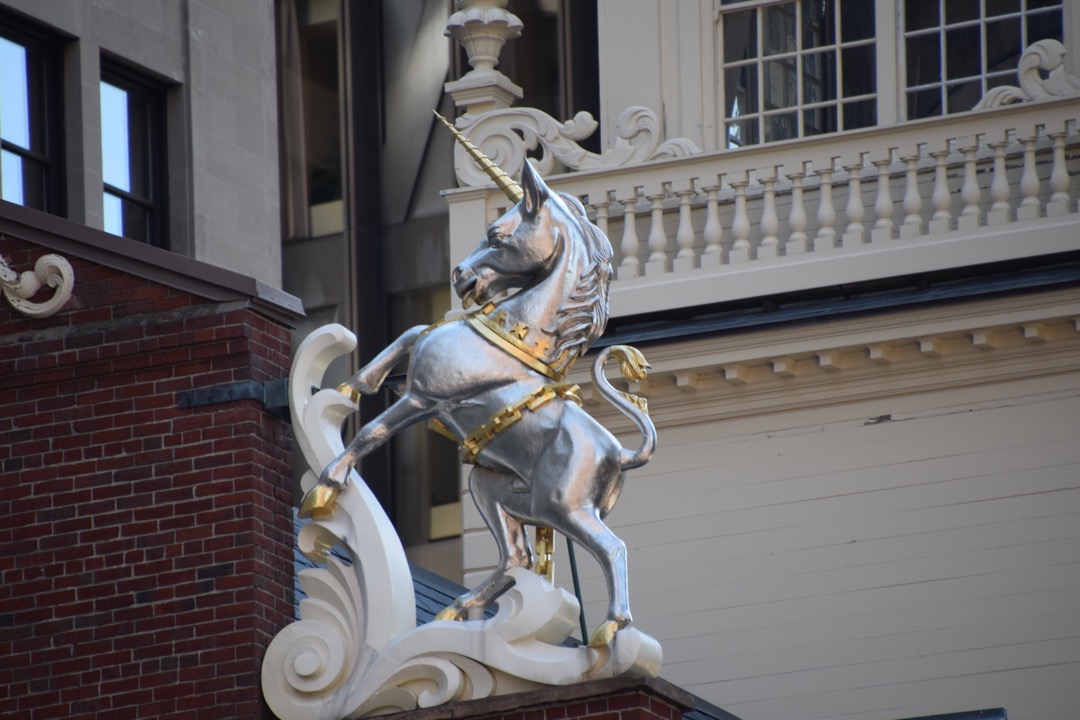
x: 577, y: 590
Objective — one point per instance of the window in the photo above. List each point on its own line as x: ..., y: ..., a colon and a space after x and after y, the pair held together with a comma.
x: 30, y: 119
x: 133, y: 157
x: 957, y: 50
x: 797, y: 68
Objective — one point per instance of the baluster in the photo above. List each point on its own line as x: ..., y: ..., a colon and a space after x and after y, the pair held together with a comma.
x: 999, y: 186
x: 826, y: 214
x: 740, y: 227
x: 912, y: 226
x: 770, y: 223
x: 1059, y: 178
x: 970, y: 193
x: 940, y: 199
x: 631, y: 266
x: 657, y: 264
x: 883, y: 204
x: 601, y: 209
x: 796, y: 244
x: 1029, y: 178
x: 684, y: 235
x: 854, y: 210
x: 713, y: 234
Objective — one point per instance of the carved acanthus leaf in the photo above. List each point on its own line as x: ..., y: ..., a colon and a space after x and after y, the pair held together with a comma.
x: 508, y: 136
x: 51, y: 270
x: 1044, y: 56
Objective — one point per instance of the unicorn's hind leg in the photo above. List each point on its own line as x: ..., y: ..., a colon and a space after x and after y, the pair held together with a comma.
x: 407, y: 410
x: 491, y: 490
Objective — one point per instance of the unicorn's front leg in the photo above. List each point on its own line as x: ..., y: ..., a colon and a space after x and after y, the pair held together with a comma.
x: 370, y: 377
x: 322, y: 498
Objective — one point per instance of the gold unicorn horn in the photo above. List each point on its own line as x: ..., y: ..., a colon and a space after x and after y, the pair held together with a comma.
x: 502, y: 181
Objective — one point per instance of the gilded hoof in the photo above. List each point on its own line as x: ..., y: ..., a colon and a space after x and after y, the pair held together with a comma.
x: 449, y: 613
x: 319, y: 502
x: 604, y: 634
x: 350, y: 392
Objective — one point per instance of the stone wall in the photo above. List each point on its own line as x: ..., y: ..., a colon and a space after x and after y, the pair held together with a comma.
x: 145, y: 554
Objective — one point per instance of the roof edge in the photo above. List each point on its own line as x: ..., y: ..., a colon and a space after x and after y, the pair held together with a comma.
x: 161, y: 266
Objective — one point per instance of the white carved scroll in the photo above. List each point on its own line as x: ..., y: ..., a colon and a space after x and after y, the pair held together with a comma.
x: 356, y: 650
x: 507, y: 137
x: 51, y: 270
x: 1044, y: 56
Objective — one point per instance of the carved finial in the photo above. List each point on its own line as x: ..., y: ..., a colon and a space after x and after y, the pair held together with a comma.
x: 502, y: 181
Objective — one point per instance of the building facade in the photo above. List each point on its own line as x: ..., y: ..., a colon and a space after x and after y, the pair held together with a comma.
x: 851, y: 257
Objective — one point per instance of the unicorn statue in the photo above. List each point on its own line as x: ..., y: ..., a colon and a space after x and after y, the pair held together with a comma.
x: 494, y: 379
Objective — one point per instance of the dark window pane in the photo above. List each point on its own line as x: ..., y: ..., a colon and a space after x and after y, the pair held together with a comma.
x: 1001, y: 7
x: 14, y: 94
x: 961, y: 10
x: 127, y: 218
x: 860, y: 70
x: 856, y: 20
x: 1010, y: 79
x: 919, y: 14
x: 818, y: 24
x: 781, y: 127
x: 740, y: 91
x: 923, y: 60
x: 860, y: 114
x: 819, y: 120
x: 1043, y: 26
x: 1033, y: 4
x: 924, y: 103
x: 819, y: 77
x: 23, y: 180
x: 779, y: 33
x: 781, y: 89
x: 740, y: 36
x: 963, y: 96
x: 963, y: 52
x: 742, y: 133
x: 1002, y: 44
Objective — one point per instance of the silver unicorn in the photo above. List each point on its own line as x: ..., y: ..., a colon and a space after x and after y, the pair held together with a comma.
x: 495, y: 380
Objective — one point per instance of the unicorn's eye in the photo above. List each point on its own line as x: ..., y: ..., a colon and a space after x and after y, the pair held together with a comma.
x: 495, y: 240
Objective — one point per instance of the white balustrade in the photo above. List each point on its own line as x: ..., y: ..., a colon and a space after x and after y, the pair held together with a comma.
x: 716, y: 219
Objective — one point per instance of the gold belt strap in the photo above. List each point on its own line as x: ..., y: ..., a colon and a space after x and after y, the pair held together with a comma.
x: 481, y: 436
x: 491, y: 331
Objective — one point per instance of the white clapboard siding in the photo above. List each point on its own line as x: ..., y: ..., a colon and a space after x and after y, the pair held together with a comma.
x: 822, y: 563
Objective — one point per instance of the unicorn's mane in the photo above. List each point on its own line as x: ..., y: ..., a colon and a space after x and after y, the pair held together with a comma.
x: 583, y: 316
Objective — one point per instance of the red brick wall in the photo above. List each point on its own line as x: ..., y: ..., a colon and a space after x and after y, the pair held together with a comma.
x: 146, y: 550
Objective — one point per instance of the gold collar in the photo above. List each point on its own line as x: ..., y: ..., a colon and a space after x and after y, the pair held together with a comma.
x: 511, y: 343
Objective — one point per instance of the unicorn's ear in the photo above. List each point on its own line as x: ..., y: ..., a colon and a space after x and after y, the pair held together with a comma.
x: 536, y: 192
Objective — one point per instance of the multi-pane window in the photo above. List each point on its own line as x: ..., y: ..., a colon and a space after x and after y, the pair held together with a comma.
x: 30, y: 116
x: 132, y: 158
x: 797, y: 68
x: 957, y: 50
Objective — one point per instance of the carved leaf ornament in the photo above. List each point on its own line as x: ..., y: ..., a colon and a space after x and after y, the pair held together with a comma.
x: 356, y: 650
x: 49, y: 270
x: 507, y: 137
x: 1044, y: 56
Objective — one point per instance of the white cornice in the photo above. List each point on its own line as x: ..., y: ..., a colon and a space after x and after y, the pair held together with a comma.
x: 837, y: 361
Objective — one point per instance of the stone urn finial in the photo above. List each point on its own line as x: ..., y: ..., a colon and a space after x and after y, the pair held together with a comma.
x: 483, y: 27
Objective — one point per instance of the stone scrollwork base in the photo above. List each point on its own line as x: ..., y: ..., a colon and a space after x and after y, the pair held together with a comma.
x: 507, y: 136
x: 356, y: 650
x: 50, y: 270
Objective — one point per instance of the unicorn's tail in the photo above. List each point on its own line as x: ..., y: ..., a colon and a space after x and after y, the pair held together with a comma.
x: 634, y: 367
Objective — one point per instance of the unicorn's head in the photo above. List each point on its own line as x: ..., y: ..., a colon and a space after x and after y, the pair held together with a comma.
x: 544, y: 232
x: 519, y: 248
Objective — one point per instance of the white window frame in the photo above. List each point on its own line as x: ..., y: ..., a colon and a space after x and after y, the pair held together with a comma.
x: 890, y: 57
